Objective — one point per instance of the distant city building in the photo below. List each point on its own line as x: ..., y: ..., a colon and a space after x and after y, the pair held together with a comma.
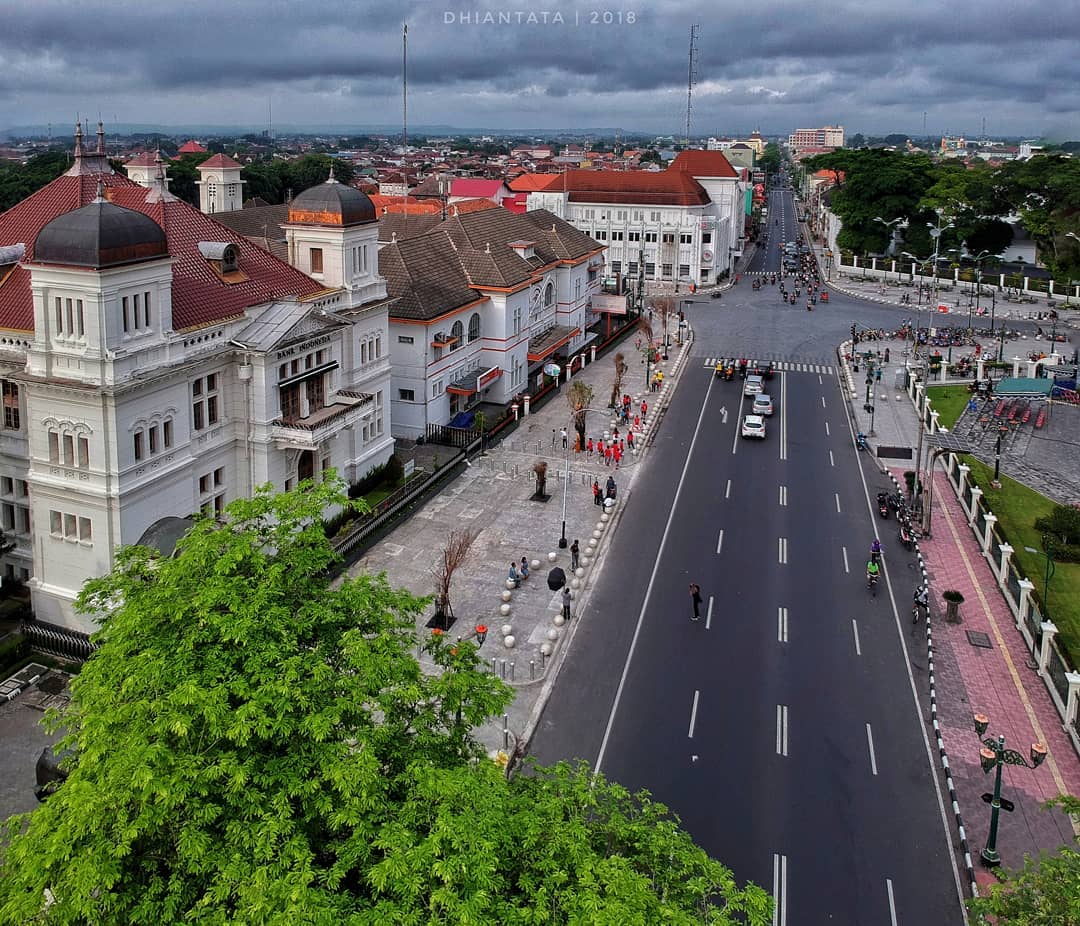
x: 828, y: 137
x: 684, y: 224
x: 953, y: 143
x: 192, y: 147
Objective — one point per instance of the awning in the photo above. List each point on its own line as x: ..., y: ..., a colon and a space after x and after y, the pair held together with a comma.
x: 486, y: 378
x: 466, y: 385
x: 544, y: 345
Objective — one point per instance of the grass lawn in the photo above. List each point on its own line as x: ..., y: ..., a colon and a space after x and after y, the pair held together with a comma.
x: 948, y: 402
x: 1017, y: 507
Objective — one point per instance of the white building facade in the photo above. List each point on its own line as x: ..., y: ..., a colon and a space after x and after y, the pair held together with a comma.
x: 147, y: 377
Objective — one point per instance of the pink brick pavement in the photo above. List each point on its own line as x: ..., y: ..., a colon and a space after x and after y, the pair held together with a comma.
x: 999, y: 682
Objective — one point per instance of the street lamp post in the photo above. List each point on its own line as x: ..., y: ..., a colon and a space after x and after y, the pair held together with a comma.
x: 1051, y: 568
x: 995, y: 755
x: 918, y: 308
x: 1002, y: 431
x: 936, y: 232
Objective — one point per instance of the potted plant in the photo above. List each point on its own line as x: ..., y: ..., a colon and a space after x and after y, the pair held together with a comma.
x: 953, y: 600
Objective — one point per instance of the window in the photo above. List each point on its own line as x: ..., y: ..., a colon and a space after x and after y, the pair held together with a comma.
x: 632, y: 268
x: 457, y: 331
x: 85, y: 534
x: 406, y: 395
x: 54, y: 446
x: 212, y: 492
x: 704, y: 274
x: 654, y: 216
x: 138, y: 440
x: 650, y: 269
x: 549, y: 295
x: 665, y: 270
x: 124, y: 311
x: 650, y: 237
x: 436, y: 388
x: 517, y: 320
x: 316, y: 260
x: 289, y: 397
x: 69, y: 450
x: 686, y: 239
x: 684, y: 270
x: 56, y: 523
x: 616, y: 236
x: 70, y: 525
x: 204, y: 404
x: 405, y: 339
x: 167, y: 433
x: 633, y: 236
x: 706, y: 237
x: 152, y: 434
x: 84, y: 452
x: 616, y: 266
x: 7, y: 485
x: 600, y: 236
x: 12, y: 420
x: 669, y: 238
x: 474, y: 327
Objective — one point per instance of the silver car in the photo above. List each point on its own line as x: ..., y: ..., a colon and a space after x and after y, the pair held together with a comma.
x: 763, y: 404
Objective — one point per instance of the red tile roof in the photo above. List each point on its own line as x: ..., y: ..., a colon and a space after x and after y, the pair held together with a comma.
x: 660, y: 188
x: 192, y: 147
x: 219, y: 160
x: 399, y: 204
x: 469, y: 186
x: 532, y: 183
x: 199, y: 295
x: 145, y: 159
x: 471, y: 205
x: 700, y: 163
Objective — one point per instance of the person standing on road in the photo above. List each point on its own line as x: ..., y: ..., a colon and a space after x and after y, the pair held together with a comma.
x: 596, y: 492
x: 566, y: 599
x: 562, y: 434
x: 695, y: 599
x: 589, y: 448
x: 575, y: 554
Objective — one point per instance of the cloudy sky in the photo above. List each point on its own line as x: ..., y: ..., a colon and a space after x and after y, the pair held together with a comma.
x: 875, y: 66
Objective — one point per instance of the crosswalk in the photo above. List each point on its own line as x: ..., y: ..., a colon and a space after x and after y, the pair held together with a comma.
x: 784, y: 366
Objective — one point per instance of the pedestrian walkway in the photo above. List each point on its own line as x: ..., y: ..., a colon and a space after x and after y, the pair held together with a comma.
x: 981, y: 665
x: 495, y: 495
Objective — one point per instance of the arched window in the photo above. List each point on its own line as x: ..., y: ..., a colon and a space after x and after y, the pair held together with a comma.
x: 474, y: 327
x: 549, y: 295
x: 456, y: 333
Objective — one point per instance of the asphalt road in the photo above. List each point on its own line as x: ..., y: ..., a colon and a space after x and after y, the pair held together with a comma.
x: 783, y: 728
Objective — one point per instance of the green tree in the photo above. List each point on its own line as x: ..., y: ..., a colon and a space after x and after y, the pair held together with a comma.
x: 770, y: 159
x: 183, y: 176
x: 254, y: 745
x: 650, y: 156
x: 1045, y: 892
x: 17, y: 181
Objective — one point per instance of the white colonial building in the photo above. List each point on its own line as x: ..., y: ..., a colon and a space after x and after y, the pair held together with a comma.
x: 482, y: 303
x: 682, y: 225
x: 155, y: 364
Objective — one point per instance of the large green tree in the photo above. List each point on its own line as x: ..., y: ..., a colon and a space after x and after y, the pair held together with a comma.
x: 17, y: 181
x: 255, y: 745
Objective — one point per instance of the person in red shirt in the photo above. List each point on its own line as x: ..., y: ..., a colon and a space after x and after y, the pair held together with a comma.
x: 607, y: 455
x: 617, y: 455
x: 589, y: 448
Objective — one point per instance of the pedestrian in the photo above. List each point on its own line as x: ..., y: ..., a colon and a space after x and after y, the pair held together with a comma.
x: 616, y: 455
x: 513, y: 576
x: 562, y: 434
x: 695, y: 598
x: 566, y: 599
x: 610, y: 487
x: 575, y: 553
x: 630, y: 439
x: 607, y: 455
x: 589, y: 448
x: 644, y: 409
x: 596, y: 492
x: 552, y: 437
x: 637, y: 423
x: 524, y: 568
x: 615, y: 433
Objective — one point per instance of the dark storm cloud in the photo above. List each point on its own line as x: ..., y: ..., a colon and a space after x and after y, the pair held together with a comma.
x: 874, y: 65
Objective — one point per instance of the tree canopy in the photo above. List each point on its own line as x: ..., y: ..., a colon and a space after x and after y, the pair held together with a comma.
x: 17, y: 181
x: 253, y: 744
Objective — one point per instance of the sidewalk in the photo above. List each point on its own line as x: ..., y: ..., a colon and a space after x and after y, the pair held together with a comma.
x: 965, y: 675
x: 494, y: 496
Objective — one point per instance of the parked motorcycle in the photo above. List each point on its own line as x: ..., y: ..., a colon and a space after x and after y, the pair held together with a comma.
x: 907, y: 538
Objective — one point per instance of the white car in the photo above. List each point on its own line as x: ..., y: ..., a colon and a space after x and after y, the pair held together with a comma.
x: 763, y: 404
x: 753, y: 426
x: 753, y: 386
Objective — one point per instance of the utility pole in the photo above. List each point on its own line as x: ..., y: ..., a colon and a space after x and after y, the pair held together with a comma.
x: 404, y: 89
x: 690, y: 79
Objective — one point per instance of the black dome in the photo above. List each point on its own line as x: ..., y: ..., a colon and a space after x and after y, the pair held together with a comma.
x: 331, y: 203
x: 98, y: 235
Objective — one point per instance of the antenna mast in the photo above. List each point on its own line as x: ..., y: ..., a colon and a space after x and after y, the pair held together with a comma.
x: 690, y: 75
x: 404, y: 88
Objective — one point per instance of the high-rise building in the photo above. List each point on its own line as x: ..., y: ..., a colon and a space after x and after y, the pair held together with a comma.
x: 829, y: 136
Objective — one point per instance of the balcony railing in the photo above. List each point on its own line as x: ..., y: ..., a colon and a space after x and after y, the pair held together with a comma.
x: 310, y: 432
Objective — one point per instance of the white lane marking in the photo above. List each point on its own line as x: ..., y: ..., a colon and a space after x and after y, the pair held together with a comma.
x: 779, y: 890
x: 783, y: 496
x: 823, y: 397
x: 708, y: 614
x: 892, y: 901
x: 727, y: 491
x: 652, y: 581
x: 781, y: 729
x: 837, y: 496
x: 832, y: 462
x: 781, y: 551
x: 738, y: 425
x: 855, y: 628
x: 870, y: 742
x: 693, y: 715
x: 827, y: 434
x: 820, y: 383
x: 844, y: 550
x: 781, y: 625
x: 720, y: 541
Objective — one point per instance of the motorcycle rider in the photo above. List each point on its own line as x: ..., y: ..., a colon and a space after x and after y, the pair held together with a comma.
x: 875, y: 550
x: 921, y: 601
x: 872, y: 573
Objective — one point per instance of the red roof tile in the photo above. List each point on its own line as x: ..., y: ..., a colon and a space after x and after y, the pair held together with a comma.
x: 661, y: 187
x: 199, y: 296
x: 400, y: 204
x: 700, y: 163
x: 472, y: 205
x: 192, y: 147
x: 145, y: 159
x: 468, y: 186
x: 219, y: 160
x: 532, y: 183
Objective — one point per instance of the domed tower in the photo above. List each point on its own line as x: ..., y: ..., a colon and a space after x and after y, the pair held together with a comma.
x: 333, y: 235
x: 101, y: 279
